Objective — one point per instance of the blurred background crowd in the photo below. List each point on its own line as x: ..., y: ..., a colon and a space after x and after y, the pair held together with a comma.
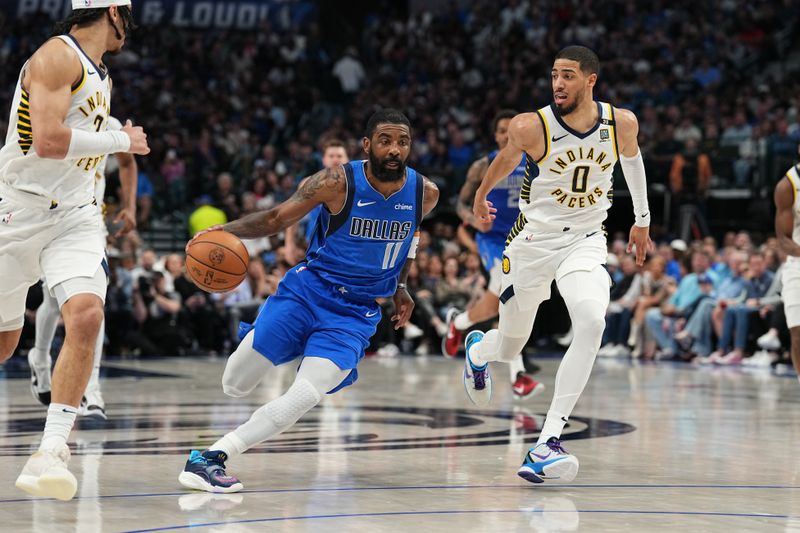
x: 237, y: 117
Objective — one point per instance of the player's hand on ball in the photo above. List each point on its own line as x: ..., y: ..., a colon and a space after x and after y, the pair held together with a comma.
x: 138, y: 139
x: 482, y: 209
x: 202, y: 232
x: 640, y: 238
x: 403, y: 306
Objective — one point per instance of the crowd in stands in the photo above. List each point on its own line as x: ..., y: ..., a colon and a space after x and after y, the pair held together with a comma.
x: 237, y: 118
x: 703, y: 302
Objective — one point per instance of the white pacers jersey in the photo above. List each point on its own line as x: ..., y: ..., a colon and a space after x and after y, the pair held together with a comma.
x: 793, y: 174
x: 65, y: 182
x: 569, y: 188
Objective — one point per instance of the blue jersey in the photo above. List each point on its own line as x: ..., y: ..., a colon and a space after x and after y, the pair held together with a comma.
x: 311, y: 223
x: 504, y: 198
x: 362, y: 249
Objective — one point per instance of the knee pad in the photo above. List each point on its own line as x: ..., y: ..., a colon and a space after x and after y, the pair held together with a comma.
x: 231, y: 390
x: 297, y: 401
x: 589, y: 320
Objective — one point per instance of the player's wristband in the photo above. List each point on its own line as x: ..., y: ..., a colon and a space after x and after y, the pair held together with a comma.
x: 90, y: 144
x: 402, y: 286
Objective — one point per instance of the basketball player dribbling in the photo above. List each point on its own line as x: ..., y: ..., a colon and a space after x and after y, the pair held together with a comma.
x: 572, y: 148
x: 787, y: 229
x: 47, y: 314
x: 57, y: 137
x: 491, y: 237
x: 324, y: 311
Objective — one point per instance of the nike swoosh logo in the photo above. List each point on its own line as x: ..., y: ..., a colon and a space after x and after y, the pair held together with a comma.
x: 68, y: 411
x: 89, y: 72
x: 555, y: 139
x: 362, y: 204
x: 592, y: 233
x: 370, y: 315
x: 645, y: 215
x: 542, y: 457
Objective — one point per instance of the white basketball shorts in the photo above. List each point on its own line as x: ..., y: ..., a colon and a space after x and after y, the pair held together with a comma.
x: 534, y: 259
x: 791, y: 293
x: 35, y: 240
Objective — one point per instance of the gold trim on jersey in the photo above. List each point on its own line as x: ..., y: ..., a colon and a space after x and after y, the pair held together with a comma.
x: 525, y: 190
x: 546, y: 136
x: 613, y: 129
x: 794, y: 187
x: 516, y: 228
x: 24, y: 128
x: 80, y: 83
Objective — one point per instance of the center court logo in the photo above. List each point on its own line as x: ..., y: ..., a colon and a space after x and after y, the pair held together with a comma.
x: 368, y: 428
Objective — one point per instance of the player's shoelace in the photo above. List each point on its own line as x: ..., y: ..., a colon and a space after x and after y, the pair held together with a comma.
x: 555, y: 445
x: 480, y: 378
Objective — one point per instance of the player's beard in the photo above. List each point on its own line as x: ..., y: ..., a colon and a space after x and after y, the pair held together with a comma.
x: 381, y: 172
x: 566, y: 109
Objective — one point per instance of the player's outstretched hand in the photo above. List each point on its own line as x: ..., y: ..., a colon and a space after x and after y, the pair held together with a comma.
x: 202, y: 232
x: 403, y: 305
x: 138, y: 139
x: 483, y: 210
x: 128, y: 221
x: 640, y: 238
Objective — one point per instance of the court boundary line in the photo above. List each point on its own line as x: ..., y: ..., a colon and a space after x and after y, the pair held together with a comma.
x: 426, y: 487
x: 467, y: 511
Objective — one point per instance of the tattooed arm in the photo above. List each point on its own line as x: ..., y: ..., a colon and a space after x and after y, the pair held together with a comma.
x: 328, y: 186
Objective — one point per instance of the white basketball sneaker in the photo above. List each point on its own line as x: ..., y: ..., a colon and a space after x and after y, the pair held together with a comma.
x: 549, y: 461
x: 46, y: 475
x: 40, y: 375
x: 92, y: 405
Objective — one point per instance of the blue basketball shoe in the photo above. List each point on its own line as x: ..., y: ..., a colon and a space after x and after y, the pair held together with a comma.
x: 477, y: 381
x: 548, y: 461
x: 206, y: 471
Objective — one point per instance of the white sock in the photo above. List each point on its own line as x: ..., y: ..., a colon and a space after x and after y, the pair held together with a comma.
x: 515, y: 366
x: 60, y: 419
x: 462, y: 321
x: 231, y: 444
x: 553, y: 426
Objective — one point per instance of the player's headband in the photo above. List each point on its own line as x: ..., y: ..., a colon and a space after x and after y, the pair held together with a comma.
x: 94, y: 4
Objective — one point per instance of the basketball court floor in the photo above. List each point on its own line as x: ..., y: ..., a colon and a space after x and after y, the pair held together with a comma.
x: 663, y: 447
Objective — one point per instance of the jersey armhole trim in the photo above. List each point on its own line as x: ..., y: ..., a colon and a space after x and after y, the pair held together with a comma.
x: 794, y: 188
x: 420, y: 198
x: 77, y: 87
x: 336, y: 221
x: 546, y: 132
x: 614, y: 129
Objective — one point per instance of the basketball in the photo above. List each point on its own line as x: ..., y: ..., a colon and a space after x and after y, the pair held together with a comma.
x: 217, y: 261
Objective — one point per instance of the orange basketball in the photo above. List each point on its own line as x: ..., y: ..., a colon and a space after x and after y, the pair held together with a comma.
x: 217, y: 261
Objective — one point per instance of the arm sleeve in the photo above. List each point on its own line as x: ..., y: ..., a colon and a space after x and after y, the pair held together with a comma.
x: 633, y: 170
x: 90, y: 144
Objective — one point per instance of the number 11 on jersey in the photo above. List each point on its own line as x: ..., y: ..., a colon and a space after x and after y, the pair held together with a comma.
x: 391, y: 253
